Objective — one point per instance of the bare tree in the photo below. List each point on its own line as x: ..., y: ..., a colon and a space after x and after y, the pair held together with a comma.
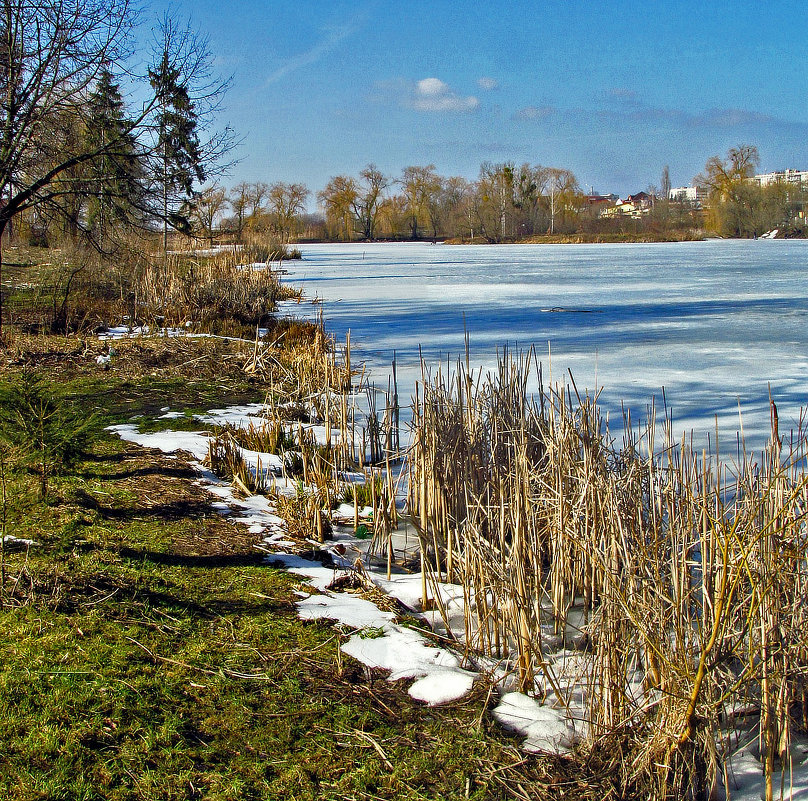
x: 256, y: 197
x: 286, y: 203
x: 338, y: 199
x: 207, y: 210
x: 495, y: 190
x: 734, y: 201
x: 530, y: 183
x: 723, y: 176
x: 563, y: 193
x: 366, y: 204
x: 239, y: 200
x: 457, y: 206
x: 421, y: 187
x: 665, y: 185
x: 52, y: 55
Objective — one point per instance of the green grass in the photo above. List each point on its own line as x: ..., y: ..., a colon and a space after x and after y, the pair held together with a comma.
x: 147, y: 652
x: 132, y: 667
x: 115, y: 401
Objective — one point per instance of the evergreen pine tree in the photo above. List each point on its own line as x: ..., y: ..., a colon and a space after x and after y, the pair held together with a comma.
x: 115, y: 183
x: 178, y: 145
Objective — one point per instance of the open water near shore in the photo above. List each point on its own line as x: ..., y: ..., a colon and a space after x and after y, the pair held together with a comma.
x: 717, y: 324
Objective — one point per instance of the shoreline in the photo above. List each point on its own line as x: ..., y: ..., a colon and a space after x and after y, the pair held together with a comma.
x: 556, y: 239
x: 500, y: 466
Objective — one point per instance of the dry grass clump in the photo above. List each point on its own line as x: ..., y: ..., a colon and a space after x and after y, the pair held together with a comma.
x: 316, y: 386
x: 60, y: 290
x: 303, y: 515
x: 271, y: 436
x: 226, y: 460
x: 75, y: 289
x: 686, y: 577
x: 209, y: 291
x: 263, y: 249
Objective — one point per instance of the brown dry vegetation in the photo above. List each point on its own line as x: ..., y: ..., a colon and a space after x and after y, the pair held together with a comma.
x: 690, y: 573
x: 73, y: 289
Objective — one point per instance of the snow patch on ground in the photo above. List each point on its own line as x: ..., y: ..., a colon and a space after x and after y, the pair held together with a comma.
x: 381, y: 643
x: 545, y: 728
x: 408, y: 655
x: 171, y: 416
x: 350, y: 610
x: 236, y: 416
x: 166, y: 441
x: 18, y: 542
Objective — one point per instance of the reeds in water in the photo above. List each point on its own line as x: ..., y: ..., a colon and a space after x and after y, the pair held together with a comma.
x: 686, y: 576
x: 209, y: 291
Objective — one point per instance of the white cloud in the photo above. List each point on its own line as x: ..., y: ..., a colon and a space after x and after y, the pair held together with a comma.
x: 487, y: 84
x: 325, y: 45
x: 534, y: 113
x: 432, y: 94
x: 431, y: 87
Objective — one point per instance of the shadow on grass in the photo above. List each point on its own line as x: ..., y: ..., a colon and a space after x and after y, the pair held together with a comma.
x: 192, y: 560
x: 139, y: 472
x: 172, y: 511
x: 198, y: 597
x: 208, y: 608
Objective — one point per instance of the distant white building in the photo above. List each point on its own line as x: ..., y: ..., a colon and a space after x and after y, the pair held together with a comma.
x: 782, y: 176
x: 687, y: 194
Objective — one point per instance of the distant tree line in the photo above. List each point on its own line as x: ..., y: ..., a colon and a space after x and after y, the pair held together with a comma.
x: 506, y: 203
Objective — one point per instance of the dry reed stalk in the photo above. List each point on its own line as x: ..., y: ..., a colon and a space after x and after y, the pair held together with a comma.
x: 207, y: 291
x: 309, y: 387
x: 691, y: 574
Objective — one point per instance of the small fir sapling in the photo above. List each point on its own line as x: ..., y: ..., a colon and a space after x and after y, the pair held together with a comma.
x: 44, y: 432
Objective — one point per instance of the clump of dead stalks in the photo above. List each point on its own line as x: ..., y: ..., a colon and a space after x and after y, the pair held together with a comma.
x: 681, y: 577
x: 76, y: 289
x: 207, y: 291
x: 332, y: 438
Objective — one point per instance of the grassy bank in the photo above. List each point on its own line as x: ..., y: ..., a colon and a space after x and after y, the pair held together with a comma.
x: 654, y: 592
x: 147, y: 652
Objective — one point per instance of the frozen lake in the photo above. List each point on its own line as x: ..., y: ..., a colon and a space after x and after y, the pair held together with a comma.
x: 713, y: 323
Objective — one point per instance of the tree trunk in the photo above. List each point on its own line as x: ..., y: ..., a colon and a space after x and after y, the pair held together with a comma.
x: 165, y: 198
x: 3, y: 224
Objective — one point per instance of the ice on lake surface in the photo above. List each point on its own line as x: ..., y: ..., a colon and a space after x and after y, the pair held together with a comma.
x: 716, y: 323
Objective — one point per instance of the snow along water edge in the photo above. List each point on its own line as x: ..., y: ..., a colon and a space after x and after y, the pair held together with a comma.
x: 440, y: 675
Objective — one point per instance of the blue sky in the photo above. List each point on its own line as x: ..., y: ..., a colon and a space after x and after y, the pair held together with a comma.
x: 611, y: 90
